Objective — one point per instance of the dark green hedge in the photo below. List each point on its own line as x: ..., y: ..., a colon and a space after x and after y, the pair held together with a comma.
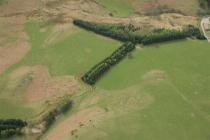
x: 11, y: 127
x: 116, y: 31
x: 98, y: 70
x: 166, y: 35
x: 130, y: 33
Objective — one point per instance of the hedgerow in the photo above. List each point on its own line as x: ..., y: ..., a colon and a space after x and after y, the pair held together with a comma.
x: 116, y: 31
x: 98, y: 70
x: 11, y: 127
x: 130, y: 33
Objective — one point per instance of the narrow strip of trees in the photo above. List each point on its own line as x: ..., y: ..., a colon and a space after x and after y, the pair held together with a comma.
x: 61, y: 108
x: 101, y: 68
x: 11, y: 127
x: 115, y: 31
x: 130, y: 33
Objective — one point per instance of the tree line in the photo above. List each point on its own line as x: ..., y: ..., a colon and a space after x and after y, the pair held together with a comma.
x: 115, y: 31
x: 130, y: 33
x: 101, y: 68
x: 61, y: 108
x: 10, y: 127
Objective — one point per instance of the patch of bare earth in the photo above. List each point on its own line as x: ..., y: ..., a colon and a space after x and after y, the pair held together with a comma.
x: 13, y: 52
x: 65, y: 129
x: 13, y: 40
x: 44, y: 87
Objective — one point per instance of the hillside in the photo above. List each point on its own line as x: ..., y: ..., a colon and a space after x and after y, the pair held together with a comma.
x: 154, y: 91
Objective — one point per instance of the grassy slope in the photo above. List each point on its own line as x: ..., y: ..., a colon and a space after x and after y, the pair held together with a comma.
x: 148, y: 108
x: 71, y: 56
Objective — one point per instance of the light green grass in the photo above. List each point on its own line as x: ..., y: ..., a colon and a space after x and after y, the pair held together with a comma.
x: 117, y: 7
x: 183, y: 61
x: 144, y: 107
x: 14, y: 109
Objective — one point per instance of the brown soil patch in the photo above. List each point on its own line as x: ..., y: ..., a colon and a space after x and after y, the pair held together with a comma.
x: 13, y: 41
x: 44, y: 87
x: 64, y: 129
x: 12, y: 53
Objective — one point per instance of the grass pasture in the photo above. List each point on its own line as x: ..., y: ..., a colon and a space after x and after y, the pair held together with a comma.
x: 161, y: 93
x: 72, y: 55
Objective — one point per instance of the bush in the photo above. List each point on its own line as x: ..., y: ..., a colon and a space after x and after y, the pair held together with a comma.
x: 98, y: 70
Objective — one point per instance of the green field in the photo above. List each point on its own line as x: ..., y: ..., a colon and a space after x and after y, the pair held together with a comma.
x: 73, y: 55
x: 160, y: 93
x: 121, y: 8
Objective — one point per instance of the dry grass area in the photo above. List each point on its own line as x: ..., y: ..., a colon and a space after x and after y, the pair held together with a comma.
x: 18, y: 7
x: 42, y: 86
x: 188, y: 7
x: 79, y: 9
x: 13, y: 41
